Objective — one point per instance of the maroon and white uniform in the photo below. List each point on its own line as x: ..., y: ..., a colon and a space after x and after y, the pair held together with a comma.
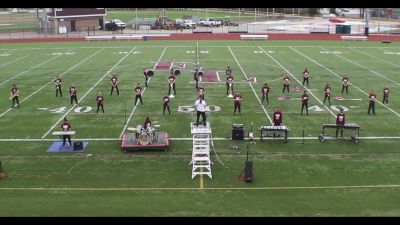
x: 14, y: 95
x: 237, y: 99
x: 372, y: 100
x: 114, y: 84
x: 166, y: 104
x: 229, y: 83
x: 286, y: 81
x: 277, y: 118
x: 100, y: 101
x: 304, y: 100
x: 171, y: 82
x: 340, y: 119
x: 327, y: 91
x: 385, y: 95
x: 200, y: 92
x: 72, y: 94
x: 138, y: 94
x: 306, y: 74
x: 65, y: 126
x: 58, y: 83
x: 264, y: 93
x: 345, y: 84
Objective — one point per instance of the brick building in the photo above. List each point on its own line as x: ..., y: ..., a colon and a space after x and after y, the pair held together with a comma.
x: 77, y: 19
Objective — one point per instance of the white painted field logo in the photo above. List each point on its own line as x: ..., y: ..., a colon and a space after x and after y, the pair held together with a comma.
x: 190, y: 108
x: 317, y: 108
x: 62, y: 53
x: 80, y: 109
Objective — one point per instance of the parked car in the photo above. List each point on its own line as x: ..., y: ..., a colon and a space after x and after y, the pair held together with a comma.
x: 336, y: 20
x: 226, y: 21
x: 210, y: 22
x: 328, y: 16
x: 187, y: 24
x: 111, y: 26
x: 119, y: 23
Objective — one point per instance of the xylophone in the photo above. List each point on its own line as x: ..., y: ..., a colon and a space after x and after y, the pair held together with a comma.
x: 274, y: 131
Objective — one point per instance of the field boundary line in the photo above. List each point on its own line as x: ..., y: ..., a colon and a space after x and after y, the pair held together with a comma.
x: 29, y: 96
x: 329, y: 70
x: 66, y: 113
x: 252, y: 88
x: 374, y: 57
x: 144, y: 89
x: 309, y: 91
x: 198, y: 188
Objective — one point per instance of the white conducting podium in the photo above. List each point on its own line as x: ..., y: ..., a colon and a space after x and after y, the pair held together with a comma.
x: 201, y: 150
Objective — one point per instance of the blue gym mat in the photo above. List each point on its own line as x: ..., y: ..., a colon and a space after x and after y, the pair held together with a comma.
x: 56, y: 147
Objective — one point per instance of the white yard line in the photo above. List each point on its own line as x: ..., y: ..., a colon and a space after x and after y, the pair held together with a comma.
x: 359, y: 65
x: 4, y: 64
x: 65, y: 114
x: 144, y: 89
x: 52, y: 81
x: 194, y: 188
x: 393, y: 64
x: 13, y: 77
x: 341, y: 78
x: 309, y: 91
x: 244, y: 73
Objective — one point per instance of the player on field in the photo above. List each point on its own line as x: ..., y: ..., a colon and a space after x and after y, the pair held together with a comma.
x: 265, y: 92
x: 327, y: 91
x: 72, y: 93
x: 385, y: 95
x: 345, y: 84
x: 306, y: 75
x: 166, y: 105
x: 372, y: 100
x: 237, y: 100
x: 58, y: 82
x: 114, y: 84
x: 304, y: 102
x: 14, y: 95
x: 285, y: 83
x: 100, y: 101
x: 138, y: 94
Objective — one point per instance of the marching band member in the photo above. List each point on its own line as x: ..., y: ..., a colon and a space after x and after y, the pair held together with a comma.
x: 265, y: 92
x: 166, y: 104
x: 14, y: 95
x: 100, y: 101
x: 285, y: 83
x: 304, y: 102
x: 201, y: 110
x: 345, y: 84
x: 229, y: 83
x: 306, y: 75
x: 138, y: 93
x: 171, y: 82
x: 146, y: 76
x: 114, y: 84
x: 200, y: 91
x: 237, y: 99
x: 196, y: 77
x: 147, y: 123
x: 72, y: 94
x: 340, y: 121
x: 385, y: 95
x: 277, y: 117
x: 327, y: 91
x: 65, y: 126
x: 228, y: 71
x: 58, y: 82
x: 372, y: 100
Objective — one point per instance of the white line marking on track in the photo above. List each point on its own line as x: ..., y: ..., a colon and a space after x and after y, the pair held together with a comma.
x: 87, y: 93
x: 244, y: 73
x: 144, y: 89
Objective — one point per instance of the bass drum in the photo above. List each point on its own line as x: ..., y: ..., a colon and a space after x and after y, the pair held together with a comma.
x: 144, y: 139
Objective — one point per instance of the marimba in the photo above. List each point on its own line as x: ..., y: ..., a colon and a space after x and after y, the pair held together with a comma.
x: 348, y: 126
x: 61, y: 133
x: 274, y: 131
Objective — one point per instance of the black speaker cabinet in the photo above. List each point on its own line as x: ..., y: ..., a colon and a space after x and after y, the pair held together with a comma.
x: 248, y: 171
x: 237, y: 133
x: 78, y: 145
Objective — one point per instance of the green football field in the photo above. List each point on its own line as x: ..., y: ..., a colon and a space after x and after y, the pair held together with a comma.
x: 303, y: 177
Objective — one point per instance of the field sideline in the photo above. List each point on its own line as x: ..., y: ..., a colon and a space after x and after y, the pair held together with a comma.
x: 303, y: 177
